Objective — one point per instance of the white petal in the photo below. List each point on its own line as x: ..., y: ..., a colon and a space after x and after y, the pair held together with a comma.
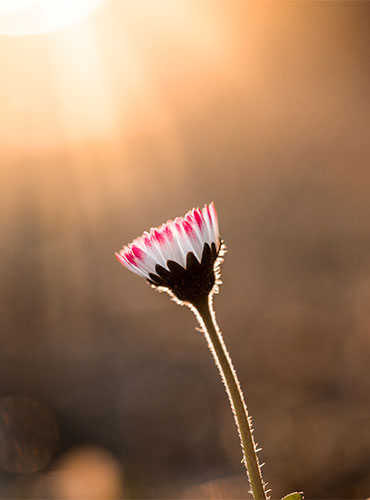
x: 214, y: 220
x: 208, y: 230
x: 194, y: 236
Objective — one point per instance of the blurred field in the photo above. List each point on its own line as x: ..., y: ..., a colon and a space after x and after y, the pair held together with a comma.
x: 134, y: 116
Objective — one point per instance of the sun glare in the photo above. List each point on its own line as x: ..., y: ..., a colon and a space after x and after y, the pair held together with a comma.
x: 32, y: 17
x: 95, y: 82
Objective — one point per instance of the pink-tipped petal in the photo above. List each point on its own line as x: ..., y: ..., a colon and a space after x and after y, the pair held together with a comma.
x: 198, y: 218
x: 139, y: 254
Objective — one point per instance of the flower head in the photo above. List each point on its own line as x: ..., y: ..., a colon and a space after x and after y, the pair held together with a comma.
x: 180, y: 256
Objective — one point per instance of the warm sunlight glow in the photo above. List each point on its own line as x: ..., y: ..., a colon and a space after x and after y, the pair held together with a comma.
x: 32, y: 17
x: 95, y: 82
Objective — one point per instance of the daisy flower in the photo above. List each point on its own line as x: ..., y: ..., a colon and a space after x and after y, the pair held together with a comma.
x: 178, y: 256
x: 182, y: 257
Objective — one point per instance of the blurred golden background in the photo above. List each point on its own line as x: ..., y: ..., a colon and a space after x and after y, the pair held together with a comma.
x: 134, y: 114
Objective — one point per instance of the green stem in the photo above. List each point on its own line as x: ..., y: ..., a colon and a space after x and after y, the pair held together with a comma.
x: 207, y: 320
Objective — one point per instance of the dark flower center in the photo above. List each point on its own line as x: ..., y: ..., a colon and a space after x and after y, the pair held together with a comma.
x: 190, y: 284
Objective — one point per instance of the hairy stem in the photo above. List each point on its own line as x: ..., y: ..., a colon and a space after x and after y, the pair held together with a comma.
x: 206, y: 317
